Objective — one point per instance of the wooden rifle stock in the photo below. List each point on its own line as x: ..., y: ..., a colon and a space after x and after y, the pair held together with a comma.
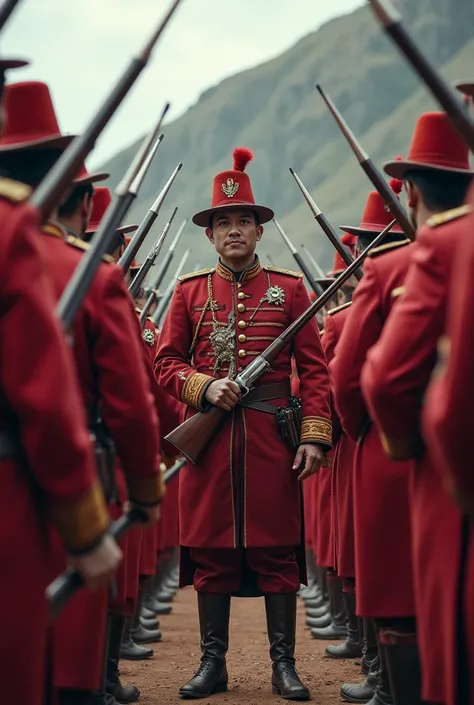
x: 192, y: 437
x: 391, y: 20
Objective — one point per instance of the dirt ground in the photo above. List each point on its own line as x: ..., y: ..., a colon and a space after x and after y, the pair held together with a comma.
x: 177, y: 656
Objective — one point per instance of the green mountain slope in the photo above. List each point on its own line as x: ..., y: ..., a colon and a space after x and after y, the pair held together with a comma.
x: 275, y: 110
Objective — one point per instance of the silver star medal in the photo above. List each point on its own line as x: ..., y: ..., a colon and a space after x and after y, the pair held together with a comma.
x: 275, y: 295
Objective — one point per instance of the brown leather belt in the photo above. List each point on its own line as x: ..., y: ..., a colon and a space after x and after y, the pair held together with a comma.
x: 258, y: 395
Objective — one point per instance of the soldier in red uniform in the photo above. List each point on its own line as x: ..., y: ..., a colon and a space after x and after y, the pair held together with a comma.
x: 240, y: 521
x: 47, y: 465
x: 380, y: 488
x: 116, y: 397
x: 447, y: 426
x: 395, y: 378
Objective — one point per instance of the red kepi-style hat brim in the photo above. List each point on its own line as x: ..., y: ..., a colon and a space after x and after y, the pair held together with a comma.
x: 8, y: 63
x: 466, y: 87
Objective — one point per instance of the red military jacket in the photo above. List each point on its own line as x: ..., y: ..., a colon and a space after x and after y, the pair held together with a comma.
x: 243, y: 492
x: 333, y: 324
x: 449, y: 405
x: 384, y: 272
x: 40, y: 394
x: 110, y: 363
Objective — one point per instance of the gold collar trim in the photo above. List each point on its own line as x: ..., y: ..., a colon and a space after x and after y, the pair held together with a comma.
x: 250, y: 273
x: 53, y: 229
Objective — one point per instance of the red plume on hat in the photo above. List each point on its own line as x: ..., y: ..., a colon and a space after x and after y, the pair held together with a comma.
x: 350, y: 241
x: 102, y: 200
x: 232, y: 189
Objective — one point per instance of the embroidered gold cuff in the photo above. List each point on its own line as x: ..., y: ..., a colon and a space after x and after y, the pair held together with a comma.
x: 316, y: 429
x: 401, y: 448
x: 146, y: 490
x: 82, y: 523
x: 193, y: 389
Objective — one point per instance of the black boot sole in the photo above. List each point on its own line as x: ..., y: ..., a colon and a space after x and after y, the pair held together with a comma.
x: 301, y: 696
x: 219, y: 688
x: 355, y: 700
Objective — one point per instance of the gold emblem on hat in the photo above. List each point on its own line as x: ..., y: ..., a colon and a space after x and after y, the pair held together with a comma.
x: 275, y: 295
x: 230, y: 187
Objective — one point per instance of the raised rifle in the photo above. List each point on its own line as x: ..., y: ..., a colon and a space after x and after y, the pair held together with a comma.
x: 375, y: 176
x: 299, y: 260
x: 164, y: 302
x: 66, y: 585
x: 192, y: 436
x: 77, y: 287
x: 325, y: 225
x: 391, y: 20
x: 139, y: 278
x: 315, y: 264
x: 145, y: 226
x: 6, y: 10
x: 272, y: 263
x: 56, y: 183
x: 161, y: 273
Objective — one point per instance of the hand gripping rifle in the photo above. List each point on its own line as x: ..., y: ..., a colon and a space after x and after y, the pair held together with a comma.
x: 391, y: 20
x: 139, y: 278
x: 145, y: 226
x: 371, y: 170
x: 77, y: 287
x: 66, y: 585
x: 55, y: 184
x: 299, y: 260
x: 161, y: 273
x: 192, y: 436
x: 165, y: 300
x: 315, y: 264
x: 325, y: 225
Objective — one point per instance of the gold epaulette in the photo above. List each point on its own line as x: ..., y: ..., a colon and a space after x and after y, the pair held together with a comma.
x: 448, y: 216
x: 14, y: 191
x: 388, y: 247
x: 81, y: 245
x: 192, y: 275
x: 289, y: 272
x: 334, y: 310
x: 398, y: 291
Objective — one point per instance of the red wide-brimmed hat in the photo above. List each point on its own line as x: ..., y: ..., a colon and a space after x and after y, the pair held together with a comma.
x: 435, y: 146
x: 232, y: 189
x: 466, y: 87
x: 102, y: 200
x: 376, y: 215
x: 31, y: 122
x: 325, y: 282
x: 85, y: 178
x: 350, y: 241
x: 7, y: 63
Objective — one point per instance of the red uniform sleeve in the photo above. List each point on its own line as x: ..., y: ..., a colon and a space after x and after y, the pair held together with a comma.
x: 399, y: 367
x: 361, y: 330
x: 313, y: 375
x: 40, y: 389
x: 329, y: 340
x: 449, y: 407
x: 172, y: 364
x: 124, y: 385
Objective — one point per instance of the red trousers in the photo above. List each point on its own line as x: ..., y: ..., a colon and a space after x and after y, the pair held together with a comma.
x: 220, y: 570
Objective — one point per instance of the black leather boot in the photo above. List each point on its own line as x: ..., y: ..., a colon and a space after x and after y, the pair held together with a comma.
x: 113, y: 686
x: 319, y: 622
x: 65, y: 696
x: 211, y: 676
x: 337, y: 629
x: 362, y: 692
x: 316, y: 612
x: 131, y: 651
x: 351, y: 648
x: 150, y: 623
x: 281, y: 627
x: 140, y: 634
x: 383, y: 692
x: 316, y: 602
x: 370, y: 649
x: 403, y: 664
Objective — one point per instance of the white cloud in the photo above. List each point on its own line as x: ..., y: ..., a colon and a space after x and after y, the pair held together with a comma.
x: 80, y: 49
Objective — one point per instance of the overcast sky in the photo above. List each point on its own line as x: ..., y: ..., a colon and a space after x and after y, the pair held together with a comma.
x: 80, y: 47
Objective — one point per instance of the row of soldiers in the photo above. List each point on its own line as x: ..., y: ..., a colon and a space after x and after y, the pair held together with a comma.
x: 59, y: 490
x: 389, y: 525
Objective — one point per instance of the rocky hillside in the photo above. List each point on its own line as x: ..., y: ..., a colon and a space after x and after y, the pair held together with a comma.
x: 275, y: 109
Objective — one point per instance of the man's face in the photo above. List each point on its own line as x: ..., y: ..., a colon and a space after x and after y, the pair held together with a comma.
x: 235, y: 233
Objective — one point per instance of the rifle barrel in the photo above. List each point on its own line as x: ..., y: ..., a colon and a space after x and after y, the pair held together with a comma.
x: 299, y: 260
x: 163, y: 305
x: 150, y: 260
x: 6, y: 10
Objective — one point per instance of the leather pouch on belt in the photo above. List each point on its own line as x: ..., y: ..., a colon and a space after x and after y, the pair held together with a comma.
x: 288, y: 420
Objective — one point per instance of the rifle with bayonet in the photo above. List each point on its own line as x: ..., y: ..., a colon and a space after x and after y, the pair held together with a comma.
x: 192, y: 436
x: 375, y: 176
x: 315, y: 264
x: 145, y: 226
x: 164, y: 302
x: 325, y: 225
x: 392, y: 22
x: 299, y: 260
x: 139, y: 278
x: 152, y: 296
x: 56, y: 183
